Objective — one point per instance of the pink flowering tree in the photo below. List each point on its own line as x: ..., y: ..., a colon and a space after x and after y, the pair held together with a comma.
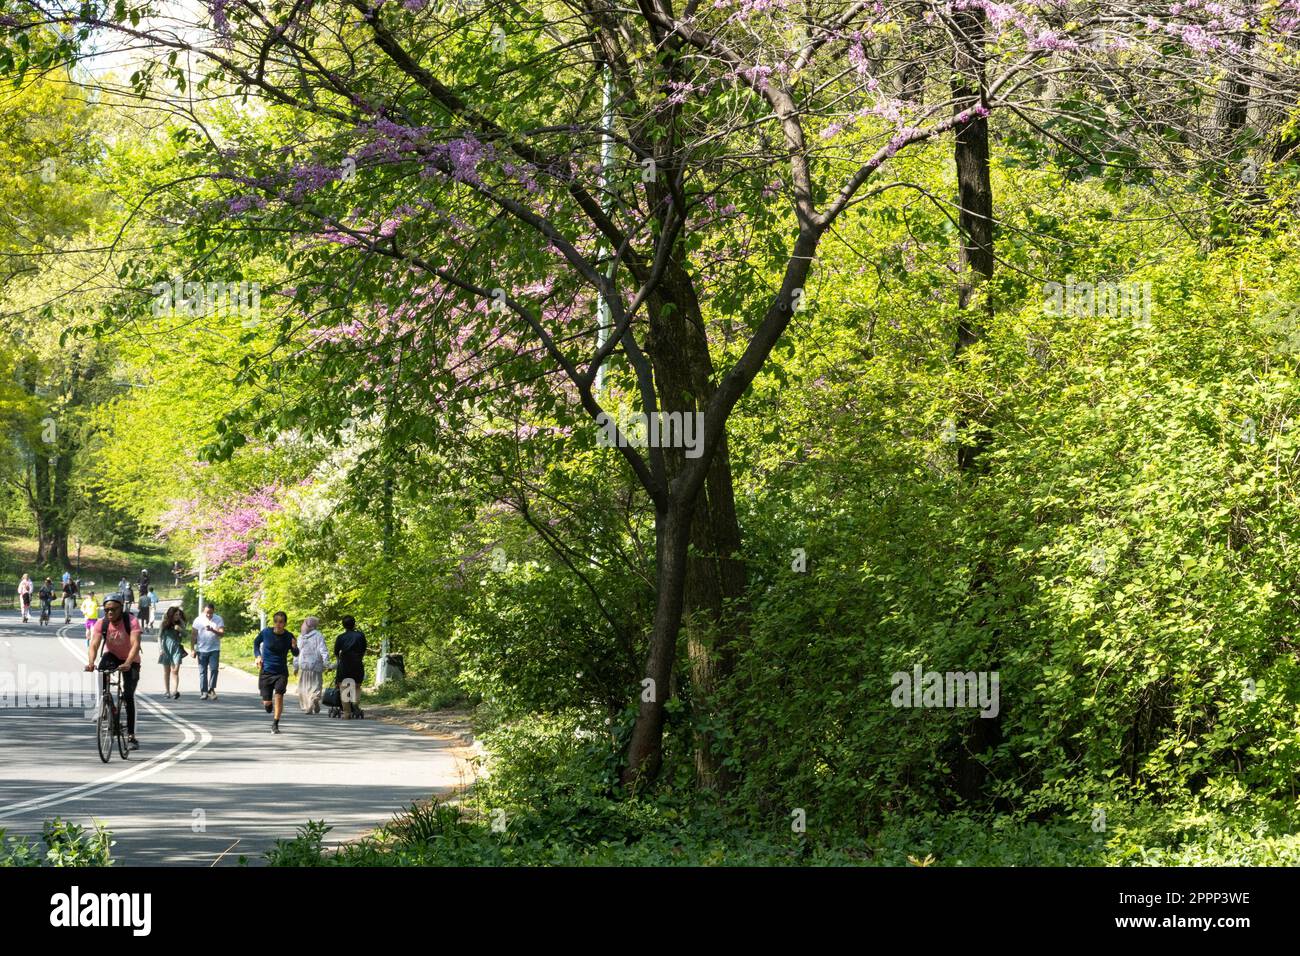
x: 430, y: 176
x: 227, y: 535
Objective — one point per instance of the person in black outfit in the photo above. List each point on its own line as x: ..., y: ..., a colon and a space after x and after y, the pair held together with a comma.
x: 350, y: 652
x: 46, y: 594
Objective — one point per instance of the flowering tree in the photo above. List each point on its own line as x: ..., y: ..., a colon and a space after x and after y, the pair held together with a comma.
x: 429, y: 176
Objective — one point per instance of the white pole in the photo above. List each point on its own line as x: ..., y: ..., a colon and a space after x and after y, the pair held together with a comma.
x: 606, y: 166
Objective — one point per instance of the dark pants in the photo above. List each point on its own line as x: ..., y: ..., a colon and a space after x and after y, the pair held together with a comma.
x: 130, y: 679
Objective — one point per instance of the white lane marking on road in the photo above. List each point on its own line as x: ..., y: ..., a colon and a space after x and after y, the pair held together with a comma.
x: 195, y: 739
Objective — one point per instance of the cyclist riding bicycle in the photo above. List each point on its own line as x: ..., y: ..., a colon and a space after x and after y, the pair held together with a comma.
x: 120, y: 635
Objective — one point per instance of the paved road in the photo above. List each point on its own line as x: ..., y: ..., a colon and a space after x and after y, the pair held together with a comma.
x: 210, y: 781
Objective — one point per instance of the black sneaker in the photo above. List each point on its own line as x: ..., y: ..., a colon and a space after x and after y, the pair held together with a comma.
x: 267, y: 705
x: 275, y: 726
x: 132, y: 743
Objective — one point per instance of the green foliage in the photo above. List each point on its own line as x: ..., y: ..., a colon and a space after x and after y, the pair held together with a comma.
x: 66, y: 844
x: 306, y: 848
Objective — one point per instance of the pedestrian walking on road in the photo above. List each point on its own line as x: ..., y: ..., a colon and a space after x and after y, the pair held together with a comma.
x: 272, y: 648
x: 90, y: 611
x: 312, y: 664
x: 171, y: 651
x: 70, y: 594
x: 25, y: 596
x: 146, y: 607
x: 350, y: 650
x: 209, y: 629
x: 46, y: 594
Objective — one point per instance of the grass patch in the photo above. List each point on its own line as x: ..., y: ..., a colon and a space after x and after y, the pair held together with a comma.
x: 418, y: 692
x: 103, y: 565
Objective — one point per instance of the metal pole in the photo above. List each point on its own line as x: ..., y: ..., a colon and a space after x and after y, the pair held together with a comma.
x: 606, y: 167
x: 381, y: 669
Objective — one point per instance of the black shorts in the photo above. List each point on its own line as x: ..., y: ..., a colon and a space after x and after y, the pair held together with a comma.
x: 270, y: 684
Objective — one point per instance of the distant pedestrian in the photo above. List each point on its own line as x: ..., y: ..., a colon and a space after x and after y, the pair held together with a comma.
x: 25, y: 596
x: 272, y: 648
x: 171, y: 650
x: 90, y: 611
x: 313, y: 662
x: 70, y: 593
x: 145, y: 607
x: 208, y: 629
x: 46, y: 594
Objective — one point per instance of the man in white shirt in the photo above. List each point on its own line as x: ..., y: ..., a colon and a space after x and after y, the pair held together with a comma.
x: 209, y: 629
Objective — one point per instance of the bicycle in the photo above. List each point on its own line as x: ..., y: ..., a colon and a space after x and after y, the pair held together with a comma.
x: 108, y: 724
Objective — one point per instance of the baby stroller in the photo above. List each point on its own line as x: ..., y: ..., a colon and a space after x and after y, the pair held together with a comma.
x: 332, y: 699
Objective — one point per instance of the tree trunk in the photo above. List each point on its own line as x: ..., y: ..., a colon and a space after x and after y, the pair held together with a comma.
x: 975, y: 308
x: 974, y: 187
x: 51, y: 478
x: 645, y: 750
x: 715, y: 577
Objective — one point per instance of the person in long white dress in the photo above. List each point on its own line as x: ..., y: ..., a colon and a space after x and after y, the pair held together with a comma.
x: 313, y: 661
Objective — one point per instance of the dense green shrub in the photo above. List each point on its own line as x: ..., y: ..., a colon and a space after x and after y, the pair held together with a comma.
x: 1121, y: 559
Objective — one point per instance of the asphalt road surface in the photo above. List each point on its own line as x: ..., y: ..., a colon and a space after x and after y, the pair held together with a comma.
x: 210, y: 781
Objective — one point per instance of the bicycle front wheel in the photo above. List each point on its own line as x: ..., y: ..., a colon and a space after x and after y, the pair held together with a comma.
x: 122, y: 746
x: 104, y: 730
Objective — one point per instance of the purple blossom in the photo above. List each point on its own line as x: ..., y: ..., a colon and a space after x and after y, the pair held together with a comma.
x: 219, y: 21
x: 462, y: 156
x: 241, y: 204
x: 1051, y: 40
x: 310, y: 178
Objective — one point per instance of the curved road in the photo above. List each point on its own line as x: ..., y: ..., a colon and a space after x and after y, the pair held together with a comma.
x: 210, y: 781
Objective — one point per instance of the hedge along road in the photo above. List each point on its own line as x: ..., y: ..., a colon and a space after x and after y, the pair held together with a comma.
x: 210, y: 781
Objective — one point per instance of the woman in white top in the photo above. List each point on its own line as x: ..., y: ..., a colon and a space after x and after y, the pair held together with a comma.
x: 313, y: 661
x: 25, y: 595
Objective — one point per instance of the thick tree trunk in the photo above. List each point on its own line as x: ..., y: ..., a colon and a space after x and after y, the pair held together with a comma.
x: 974, y: 184
x: 975, y: 305
x: 715, y: 616
x: 715, y: 576
x: 51, y: 480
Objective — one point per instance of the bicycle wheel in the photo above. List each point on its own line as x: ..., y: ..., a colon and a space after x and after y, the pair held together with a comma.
x: 104, y: 729
x: 122, y: 746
